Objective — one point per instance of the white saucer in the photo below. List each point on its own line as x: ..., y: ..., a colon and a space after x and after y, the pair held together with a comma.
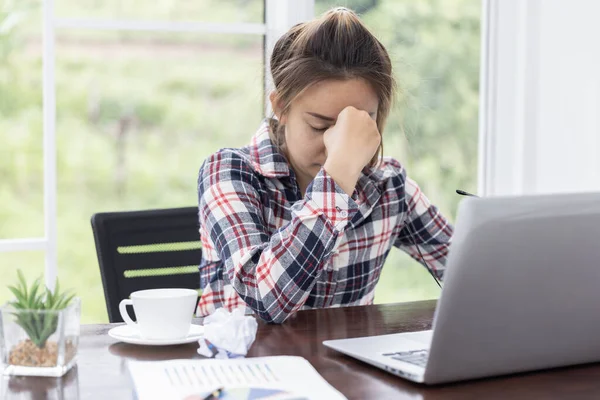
x: 130, y: 334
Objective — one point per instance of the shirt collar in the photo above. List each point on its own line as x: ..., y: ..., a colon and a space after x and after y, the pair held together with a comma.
x: 265, y: 158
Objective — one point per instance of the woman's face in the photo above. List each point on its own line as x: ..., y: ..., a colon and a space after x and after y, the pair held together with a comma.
x: 311, y: 114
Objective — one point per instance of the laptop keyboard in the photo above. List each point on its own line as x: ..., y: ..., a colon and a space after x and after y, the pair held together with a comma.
x: 416, y: 357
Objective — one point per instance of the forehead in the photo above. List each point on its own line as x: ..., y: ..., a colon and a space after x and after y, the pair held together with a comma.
x: 330, y: 97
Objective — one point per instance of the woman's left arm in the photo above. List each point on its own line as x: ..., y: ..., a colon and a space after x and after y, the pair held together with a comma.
x: 424, y: 226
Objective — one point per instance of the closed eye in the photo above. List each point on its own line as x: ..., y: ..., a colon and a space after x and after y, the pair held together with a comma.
x: 320, y: 130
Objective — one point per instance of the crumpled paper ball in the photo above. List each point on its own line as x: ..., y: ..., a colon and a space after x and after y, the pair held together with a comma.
x: 227, y: 335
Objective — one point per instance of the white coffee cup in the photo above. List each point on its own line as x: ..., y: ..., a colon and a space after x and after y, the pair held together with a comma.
x: 161, y: 313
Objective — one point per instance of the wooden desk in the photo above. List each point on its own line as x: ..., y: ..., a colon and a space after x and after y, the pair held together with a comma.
x: 101, y: 371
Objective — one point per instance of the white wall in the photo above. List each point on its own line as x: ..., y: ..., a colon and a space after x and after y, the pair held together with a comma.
x: 540, y: 130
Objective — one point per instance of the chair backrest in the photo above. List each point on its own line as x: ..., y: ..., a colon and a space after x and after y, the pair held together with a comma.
x: 146, y: 250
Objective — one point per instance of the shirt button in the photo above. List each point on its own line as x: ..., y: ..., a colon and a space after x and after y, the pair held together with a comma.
x: 344, y: 213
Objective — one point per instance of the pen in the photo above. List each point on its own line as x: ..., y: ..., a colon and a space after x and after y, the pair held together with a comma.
x: 215, y: 394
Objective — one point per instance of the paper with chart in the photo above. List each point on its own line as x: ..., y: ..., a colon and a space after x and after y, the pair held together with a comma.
x: 280, y: 377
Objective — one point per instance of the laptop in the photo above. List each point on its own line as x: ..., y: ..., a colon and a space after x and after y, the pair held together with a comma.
x: 521, y: 293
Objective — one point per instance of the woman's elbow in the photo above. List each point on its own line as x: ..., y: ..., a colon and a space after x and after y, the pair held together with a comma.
x: 278, y: 320
x: 278, y: 317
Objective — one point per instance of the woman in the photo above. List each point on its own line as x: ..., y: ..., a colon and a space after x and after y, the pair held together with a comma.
x: 305, y: 216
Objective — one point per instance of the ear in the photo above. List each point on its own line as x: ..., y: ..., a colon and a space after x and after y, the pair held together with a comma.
x: 277, y: 106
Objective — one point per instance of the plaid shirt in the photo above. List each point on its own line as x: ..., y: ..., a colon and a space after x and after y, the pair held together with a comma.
x: 267, y: 248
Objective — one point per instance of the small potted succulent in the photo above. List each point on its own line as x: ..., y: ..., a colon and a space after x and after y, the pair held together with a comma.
x: 39, y: 330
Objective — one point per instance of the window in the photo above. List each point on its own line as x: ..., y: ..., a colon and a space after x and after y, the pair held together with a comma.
x: 21, y: 149
x: 140, y: 95
x: 135, y: 119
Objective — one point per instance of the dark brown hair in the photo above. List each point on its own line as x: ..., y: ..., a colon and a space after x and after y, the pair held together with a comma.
x: 336, y: 45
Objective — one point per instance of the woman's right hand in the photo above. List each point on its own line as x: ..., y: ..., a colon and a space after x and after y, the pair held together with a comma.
x: 351, y: 144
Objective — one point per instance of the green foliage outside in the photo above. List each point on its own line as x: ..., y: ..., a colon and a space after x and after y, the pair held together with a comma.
x: 138, y: 112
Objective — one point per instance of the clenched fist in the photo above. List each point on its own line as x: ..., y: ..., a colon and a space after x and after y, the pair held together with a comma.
x: 351, y: 144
